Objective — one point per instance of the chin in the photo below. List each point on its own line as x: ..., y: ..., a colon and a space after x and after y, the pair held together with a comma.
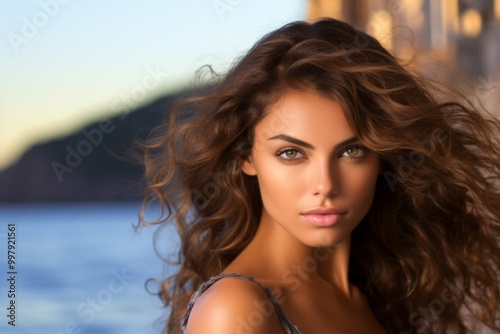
x: 329, y: 241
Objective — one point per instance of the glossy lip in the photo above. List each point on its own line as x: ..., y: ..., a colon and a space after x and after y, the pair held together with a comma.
x: 324, y: 216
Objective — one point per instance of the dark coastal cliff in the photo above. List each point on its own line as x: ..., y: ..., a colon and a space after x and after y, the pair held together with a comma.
x: 93, y: 164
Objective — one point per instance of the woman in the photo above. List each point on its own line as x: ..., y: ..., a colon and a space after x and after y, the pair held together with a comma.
x: 319, y: 187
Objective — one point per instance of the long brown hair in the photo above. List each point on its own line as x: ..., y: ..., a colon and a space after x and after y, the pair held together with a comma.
x: 427, y: 253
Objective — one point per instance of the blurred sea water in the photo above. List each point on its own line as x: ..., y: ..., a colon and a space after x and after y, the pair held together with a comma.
x: 81, y: 268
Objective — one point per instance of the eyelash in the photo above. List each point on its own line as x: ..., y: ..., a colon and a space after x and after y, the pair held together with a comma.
x: 289, y: 160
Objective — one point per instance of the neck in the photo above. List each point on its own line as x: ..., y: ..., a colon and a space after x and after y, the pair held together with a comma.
x: 275, y: 254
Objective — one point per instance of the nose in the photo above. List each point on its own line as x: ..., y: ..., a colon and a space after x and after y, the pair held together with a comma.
x: 325, y: 179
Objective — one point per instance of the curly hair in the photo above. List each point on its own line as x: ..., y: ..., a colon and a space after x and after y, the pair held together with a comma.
x: 426, y: 255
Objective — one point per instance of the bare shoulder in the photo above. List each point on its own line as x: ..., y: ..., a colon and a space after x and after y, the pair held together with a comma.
x: 233, y: 305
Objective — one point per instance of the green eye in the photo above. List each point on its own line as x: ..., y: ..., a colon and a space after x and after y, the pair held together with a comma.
x: 355, y: 152
x: 289, y: 154
x: 351, y: 150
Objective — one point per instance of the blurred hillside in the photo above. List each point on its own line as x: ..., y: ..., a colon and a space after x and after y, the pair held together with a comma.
x: 94, y: 164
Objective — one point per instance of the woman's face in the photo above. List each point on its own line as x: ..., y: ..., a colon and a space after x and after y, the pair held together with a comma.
x: 303, y: 162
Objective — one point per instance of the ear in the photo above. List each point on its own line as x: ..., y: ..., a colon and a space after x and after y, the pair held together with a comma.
x: 248, y: 167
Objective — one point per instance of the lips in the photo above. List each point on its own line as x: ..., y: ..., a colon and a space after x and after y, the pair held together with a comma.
x: 324, y: 216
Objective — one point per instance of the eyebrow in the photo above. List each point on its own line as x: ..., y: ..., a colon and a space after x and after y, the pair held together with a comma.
x: 302, y: 143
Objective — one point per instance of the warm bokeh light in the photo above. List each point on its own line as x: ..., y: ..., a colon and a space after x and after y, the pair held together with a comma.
x: 380, y: 26
x: 451, y: 15
x: 471, y: 23
x: 320, y: 8
x: 414, y: 13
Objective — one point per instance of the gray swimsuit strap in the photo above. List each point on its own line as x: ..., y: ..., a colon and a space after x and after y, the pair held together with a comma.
x: 289, y: 327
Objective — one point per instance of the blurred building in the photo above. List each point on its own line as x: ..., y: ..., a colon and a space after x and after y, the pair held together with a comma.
x: 463, y: 35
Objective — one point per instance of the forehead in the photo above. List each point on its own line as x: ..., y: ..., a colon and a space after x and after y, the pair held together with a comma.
x: 307, y: 116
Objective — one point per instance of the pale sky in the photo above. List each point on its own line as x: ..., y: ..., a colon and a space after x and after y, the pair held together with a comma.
x: 67, y: 63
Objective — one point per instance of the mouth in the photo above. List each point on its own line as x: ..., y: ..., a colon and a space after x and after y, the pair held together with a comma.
x: 324, y: 216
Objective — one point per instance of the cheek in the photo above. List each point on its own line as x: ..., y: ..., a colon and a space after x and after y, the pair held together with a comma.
x: 360, y: 185
x: 279, y: 184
